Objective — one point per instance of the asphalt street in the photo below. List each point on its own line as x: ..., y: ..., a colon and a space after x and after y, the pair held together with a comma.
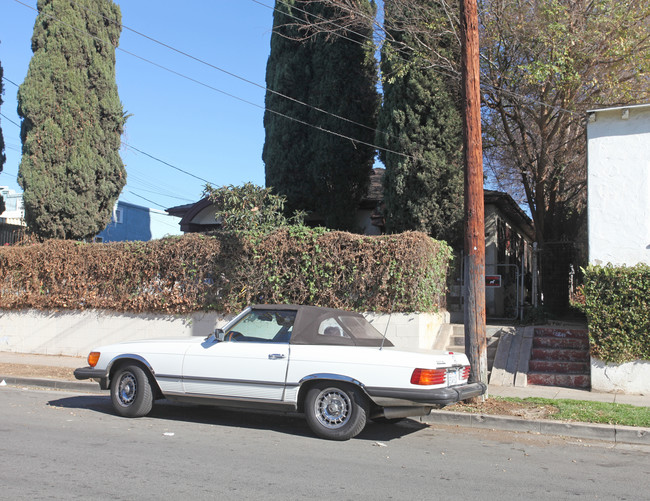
x: 69, y: 445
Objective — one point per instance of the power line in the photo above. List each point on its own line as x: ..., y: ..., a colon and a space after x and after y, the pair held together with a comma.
x: 127, y: 145
x: 288, y: 117
x: 165, y: 195
x: 143, y: 153
x: 230, y: 73
x: 401, y: 51
x: 168, y: 164
x: 143, y: 198
x: 9, y: 119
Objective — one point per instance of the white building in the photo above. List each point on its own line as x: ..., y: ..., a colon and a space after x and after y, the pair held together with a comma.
x: 14, y: 212
x: 618, y: 185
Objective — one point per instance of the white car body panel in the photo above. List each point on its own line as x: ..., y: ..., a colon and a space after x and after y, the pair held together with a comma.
x: 237, y: 370
x: 271, y: 371
x: 386, y: 367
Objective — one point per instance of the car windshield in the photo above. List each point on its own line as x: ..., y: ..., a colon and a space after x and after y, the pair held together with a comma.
x: 263, y: 326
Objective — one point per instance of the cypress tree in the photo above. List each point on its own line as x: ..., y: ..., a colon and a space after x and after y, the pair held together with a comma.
x: 421, y: 119
x: 316, y: 171
x: 3, y: 157
x: 71, y: 171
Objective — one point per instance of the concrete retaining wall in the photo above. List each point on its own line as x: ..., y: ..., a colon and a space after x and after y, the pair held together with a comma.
x: 75, y: 333
x: 631, y: 377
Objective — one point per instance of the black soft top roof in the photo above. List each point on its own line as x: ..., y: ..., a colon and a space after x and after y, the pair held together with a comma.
x: 308, y: 318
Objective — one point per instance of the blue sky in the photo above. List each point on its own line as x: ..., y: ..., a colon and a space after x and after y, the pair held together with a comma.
x: 194, y: 128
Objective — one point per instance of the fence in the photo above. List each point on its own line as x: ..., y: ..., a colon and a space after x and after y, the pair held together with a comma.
x: 11, y: 233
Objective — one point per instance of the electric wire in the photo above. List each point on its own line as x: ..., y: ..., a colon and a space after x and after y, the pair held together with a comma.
x: 8, y: 119
x: 181, y: 75
x: 440, y: 71
x: 230, y: 73
x: 131, y: 147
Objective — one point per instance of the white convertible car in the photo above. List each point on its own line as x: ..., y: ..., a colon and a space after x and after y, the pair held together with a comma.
x: 332, y: 365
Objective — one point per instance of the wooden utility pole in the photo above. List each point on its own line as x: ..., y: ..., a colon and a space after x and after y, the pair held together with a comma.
x: 475, y: 339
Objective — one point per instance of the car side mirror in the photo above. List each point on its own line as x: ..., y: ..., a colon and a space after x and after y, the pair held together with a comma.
x: 219, y: 334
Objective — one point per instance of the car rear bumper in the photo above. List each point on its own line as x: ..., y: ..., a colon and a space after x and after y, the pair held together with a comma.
x: 90, y: 373
x: 435, y: 396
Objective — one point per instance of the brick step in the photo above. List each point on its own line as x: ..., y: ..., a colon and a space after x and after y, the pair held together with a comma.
x: 549, y: 366
x: 556, y: 342
x: 559, y: 355
x: 564, y: 380
x: 561, y: 333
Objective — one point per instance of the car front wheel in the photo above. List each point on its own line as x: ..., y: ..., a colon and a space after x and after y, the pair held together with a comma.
x: 335, y: 412
x: 131, y: 392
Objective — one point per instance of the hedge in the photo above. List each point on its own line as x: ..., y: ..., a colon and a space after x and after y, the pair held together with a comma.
x: 228, y: 271
x: 617, y: 305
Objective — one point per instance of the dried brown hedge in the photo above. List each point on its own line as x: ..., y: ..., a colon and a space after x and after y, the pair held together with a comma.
x: 227, y: 271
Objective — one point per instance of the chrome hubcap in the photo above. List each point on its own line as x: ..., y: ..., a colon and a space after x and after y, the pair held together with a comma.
x: 333, y: 408
x: 127, y: 389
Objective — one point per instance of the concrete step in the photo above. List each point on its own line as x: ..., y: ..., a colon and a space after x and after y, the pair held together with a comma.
x: 560, y: 355
x: 564, y: 380
x: 554, y: 367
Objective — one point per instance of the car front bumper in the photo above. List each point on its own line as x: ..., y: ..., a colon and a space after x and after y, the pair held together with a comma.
x: 90, y: 373
x: 434, y: 396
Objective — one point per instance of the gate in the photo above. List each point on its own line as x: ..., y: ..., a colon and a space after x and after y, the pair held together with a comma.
x: 505, y: 291
x: 503, y: 297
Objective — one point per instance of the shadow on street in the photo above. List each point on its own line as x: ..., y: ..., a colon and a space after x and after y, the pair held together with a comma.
x: 288, y: 423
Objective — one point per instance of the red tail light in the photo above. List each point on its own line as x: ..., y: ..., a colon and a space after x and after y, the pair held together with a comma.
x: 429, y: 376
x: 464, y: 372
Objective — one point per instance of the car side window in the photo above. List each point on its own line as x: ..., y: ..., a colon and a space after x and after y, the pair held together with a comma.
x: 330, y: 327
x: 263, y: 326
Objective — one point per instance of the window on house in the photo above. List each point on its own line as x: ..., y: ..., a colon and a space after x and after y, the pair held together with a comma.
x: 117, y: 216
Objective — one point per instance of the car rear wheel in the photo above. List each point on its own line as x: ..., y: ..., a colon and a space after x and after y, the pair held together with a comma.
x: 131, y: 392
x: 335, y: 412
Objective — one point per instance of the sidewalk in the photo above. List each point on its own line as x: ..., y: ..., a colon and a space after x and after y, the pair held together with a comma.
x: 53, y: 371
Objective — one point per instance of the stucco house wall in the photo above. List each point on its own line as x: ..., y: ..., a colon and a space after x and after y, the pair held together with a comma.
x: 618, y: 190
x: 618, y: 185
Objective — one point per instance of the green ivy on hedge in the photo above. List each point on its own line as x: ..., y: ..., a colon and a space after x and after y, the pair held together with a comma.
x: 229, y: 270
x: 617, y: 305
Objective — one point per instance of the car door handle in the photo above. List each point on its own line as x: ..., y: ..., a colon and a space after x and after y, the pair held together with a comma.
x: 276, y: 356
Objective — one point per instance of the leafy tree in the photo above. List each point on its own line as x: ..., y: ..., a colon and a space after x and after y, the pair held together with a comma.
x: 313, y: 80
x: 3, y: 157
x: 249, y: 208
x: 71, y: 171
x: 421, y: 128
x: 545, y: 63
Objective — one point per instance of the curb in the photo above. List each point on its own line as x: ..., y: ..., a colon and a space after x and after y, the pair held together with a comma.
x: 607, y: 433
x: 56, y: 384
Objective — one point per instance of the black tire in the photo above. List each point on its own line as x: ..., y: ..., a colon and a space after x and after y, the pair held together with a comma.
x: 131, y: 392
x: 335, y: 412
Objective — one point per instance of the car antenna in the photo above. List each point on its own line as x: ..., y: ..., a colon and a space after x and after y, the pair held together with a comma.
x: 387, y: 324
